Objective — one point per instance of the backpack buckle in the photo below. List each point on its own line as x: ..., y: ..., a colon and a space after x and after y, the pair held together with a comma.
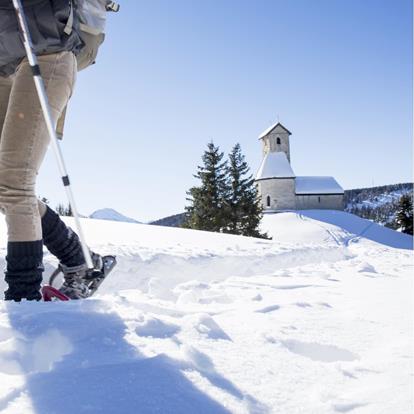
x: 111, y: 6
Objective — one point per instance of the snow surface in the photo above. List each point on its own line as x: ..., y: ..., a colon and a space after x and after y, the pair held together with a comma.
x: 317, y: 320
x: 317, y: 185
x: 275, y: 165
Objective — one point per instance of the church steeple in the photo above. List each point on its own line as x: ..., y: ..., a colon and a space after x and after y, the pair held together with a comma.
x: 276, y: 139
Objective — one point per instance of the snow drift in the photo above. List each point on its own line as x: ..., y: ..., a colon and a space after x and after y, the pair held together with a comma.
x: 317, y: 320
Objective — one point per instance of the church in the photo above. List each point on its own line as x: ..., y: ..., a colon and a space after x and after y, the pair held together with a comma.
x: 280, y: 189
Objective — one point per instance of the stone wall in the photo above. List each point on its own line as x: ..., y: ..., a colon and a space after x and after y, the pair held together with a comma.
x: 281, y: 192
x: 320, y: 202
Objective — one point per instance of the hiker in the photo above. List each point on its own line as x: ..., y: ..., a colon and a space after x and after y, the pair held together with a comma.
x: 24, y: 140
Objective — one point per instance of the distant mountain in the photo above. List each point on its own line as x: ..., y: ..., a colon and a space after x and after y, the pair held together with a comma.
x: 171, y: 221
x: 111, y: 214
x: 378, y: 204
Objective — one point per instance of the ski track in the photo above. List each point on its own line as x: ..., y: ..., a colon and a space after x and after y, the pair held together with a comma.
x: 239, y: 327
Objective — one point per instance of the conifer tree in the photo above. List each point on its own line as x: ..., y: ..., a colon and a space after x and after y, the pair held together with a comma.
x: 60, y: 209
x: 69, y: 211
x: 244, y: 207
x: 64, y: 211
x: 404, y: 216
x: 208, y: 207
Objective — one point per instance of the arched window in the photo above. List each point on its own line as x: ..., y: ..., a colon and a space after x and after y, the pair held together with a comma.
x: 278, y: 141
x: 268, y: 201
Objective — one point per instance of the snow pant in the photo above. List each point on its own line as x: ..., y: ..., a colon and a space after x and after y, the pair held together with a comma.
x: 24, y: 139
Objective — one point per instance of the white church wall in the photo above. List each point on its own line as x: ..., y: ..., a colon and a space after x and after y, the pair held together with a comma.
x: 281, y: 192
x: 315, y: 201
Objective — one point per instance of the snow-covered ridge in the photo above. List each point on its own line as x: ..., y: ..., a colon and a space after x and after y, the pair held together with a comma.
x: 379, y: 204
x: 111, y: 214
x: 193, y: 321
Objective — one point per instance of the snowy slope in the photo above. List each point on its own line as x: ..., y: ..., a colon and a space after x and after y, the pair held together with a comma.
x: 318, y: 320
x: 111, y: 214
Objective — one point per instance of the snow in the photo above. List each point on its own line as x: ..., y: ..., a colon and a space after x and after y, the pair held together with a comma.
x: 375, y: 201
x: 318, y: 185
x: 275, y: 165
x: 317, y: 320
x: 111, y: 214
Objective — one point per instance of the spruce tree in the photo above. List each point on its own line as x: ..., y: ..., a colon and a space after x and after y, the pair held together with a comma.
x: 64, y: 211
x: 404, y: 216
x: 69, y: 211
x: 208, y: 207
x: 60, y: 209
x: 244, y: 207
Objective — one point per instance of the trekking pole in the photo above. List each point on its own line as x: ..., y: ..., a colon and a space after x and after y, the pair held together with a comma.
x: 44, y: 102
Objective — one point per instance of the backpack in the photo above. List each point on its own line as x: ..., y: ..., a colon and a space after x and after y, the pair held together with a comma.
x: 88, y: 17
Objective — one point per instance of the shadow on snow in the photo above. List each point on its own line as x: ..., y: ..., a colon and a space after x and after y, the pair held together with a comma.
x: 75, y: 360
x: 358, y: 227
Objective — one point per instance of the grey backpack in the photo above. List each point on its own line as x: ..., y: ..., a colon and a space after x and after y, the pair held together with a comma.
x: 88, y: 17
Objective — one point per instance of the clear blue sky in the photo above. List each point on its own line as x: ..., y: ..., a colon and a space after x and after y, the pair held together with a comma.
x: 175, y: 74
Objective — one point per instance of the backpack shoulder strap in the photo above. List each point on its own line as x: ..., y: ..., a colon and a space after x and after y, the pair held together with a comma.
x: 69, y: 25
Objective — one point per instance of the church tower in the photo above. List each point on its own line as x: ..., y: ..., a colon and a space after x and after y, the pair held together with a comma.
x: 275, y: 178
x: 276, y: 139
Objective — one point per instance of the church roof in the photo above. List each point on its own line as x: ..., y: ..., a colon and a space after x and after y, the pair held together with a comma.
x: 274, y: 126
x: 275, y: 165
x: 318, y: 185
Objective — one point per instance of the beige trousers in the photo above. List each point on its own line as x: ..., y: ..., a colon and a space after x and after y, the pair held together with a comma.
x: 24, y: 139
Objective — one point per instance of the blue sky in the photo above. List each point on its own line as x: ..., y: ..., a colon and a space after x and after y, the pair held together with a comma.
x: 174, y: 74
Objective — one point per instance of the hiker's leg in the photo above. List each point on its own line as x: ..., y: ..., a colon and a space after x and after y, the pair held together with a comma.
x: 23, y: 145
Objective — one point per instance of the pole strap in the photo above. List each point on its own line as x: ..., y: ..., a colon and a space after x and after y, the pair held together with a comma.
x: 66, y: 181
x: 36, y: 70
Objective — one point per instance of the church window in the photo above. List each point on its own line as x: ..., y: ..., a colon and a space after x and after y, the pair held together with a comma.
x: 268, y: 201
x: 319, y: 199
x: 278, y: 141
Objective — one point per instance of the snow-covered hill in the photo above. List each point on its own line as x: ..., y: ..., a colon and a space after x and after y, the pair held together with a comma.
x: 111, y: 214
x: 317, y: 320
x: 379, y: 204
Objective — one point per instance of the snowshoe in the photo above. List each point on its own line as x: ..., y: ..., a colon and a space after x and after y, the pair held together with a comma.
x: 80, y: 283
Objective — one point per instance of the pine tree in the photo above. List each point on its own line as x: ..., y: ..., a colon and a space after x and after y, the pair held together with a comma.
x: 209, y: 201
x: 404, y: 216
x: 60, y: 209
x: 245, y: 210
x: 69, y: 211
x: 64, y: 211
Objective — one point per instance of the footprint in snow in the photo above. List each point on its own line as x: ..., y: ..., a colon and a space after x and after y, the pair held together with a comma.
x: 303, y: 305
x: 156, y: 328
x: 346, y: 408
x: 207, y: 326
x: 318, y: 352
x: 365, y: 267
x: 290, y: 287
x: 268, y: 309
